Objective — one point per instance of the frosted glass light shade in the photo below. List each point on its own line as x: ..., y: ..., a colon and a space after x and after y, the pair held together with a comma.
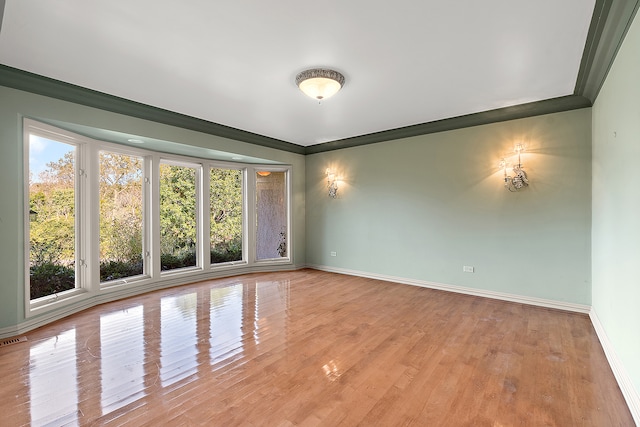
x: 320, y: 83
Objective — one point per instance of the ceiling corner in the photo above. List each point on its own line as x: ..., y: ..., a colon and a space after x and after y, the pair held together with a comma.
x: 609, y: 25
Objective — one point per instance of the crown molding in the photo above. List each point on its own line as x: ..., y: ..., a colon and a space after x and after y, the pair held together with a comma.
x: 34, y: 83
x: 609, y: 24
x: 548, y: 106
x: 2, y: 2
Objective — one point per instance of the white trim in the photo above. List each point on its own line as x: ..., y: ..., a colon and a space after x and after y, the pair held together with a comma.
x: 89, y: 290
x: 540, y: 302
x: 117, y: 293
x: 624, y: 381
x: 630, y: 394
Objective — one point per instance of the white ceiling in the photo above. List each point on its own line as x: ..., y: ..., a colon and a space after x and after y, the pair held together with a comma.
x: 234, y: 62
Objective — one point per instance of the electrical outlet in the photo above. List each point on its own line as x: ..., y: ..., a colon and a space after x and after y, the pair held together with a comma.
x: 333, y: 253
x: 467, y: 269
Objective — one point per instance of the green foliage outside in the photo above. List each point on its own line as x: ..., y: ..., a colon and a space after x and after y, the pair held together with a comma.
x: 50, y: 278
x: 120, y: 216
x: 52, y: 238
x: 226, y: 215
x: 177, y: 217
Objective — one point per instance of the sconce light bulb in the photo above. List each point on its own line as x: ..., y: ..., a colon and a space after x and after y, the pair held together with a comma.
x: 503, y: 165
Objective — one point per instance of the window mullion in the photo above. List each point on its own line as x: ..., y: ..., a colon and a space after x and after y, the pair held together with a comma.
x: 147, y: 217
x: 250, y: 217
x: 154, y: 216
x: 89, y: 202
x: 204, y: 235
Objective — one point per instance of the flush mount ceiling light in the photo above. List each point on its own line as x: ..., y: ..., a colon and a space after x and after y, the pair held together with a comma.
x: 320, y: 83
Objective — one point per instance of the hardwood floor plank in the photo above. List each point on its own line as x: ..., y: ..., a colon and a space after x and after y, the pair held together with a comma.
x: 310, y: 348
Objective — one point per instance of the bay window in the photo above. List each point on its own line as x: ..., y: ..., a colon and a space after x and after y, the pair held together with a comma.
x: 101, y: 217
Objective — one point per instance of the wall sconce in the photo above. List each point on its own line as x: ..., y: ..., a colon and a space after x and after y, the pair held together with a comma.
x: 332, y: 183
x: 519, y: 179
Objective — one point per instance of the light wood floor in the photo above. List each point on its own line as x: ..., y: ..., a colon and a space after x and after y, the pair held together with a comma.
x: 311, y: 348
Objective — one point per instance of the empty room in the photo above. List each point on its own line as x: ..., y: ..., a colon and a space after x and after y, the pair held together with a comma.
x: 343, y: 213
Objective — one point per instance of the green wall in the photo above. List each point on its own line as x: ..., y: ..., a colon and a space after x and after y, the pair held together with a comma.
x: 15, y: 104
x: 616, y: 205
x: 422, y: 207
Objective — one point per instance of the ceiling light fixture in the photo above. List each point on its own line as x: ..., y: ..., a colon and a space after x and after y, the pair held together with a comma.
x: 320, y: 83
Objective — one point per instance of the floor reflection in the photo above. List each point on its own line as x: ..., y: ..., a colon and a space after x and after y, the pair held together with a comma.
x: 179, y: 338
x: 53, y: 373
x: 325, y: 349
x: 149, y: 345
x: 271, y: 303
x: 226, y: 324
x: 122, y: 353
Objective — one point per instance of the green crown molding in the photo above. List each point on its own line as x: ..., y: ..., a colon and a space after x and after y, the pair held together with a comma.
x: 34, y: 83
x: 1, y: 14
x: 609, y: 25
x: 555, y: 105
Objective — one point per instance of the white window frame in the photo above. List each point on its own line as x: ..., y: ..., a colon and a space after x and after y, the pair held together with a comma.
x: 198, y: 166
x: 206, y: 219
x: 89, y: 290
x: 253, y: 199
x: 146, y: 218
x: 80, y: 213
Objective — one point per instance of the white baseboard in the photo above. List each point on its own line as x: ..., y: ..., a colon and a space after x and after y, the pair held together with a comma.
x: 624, y: 381
x: 559, y: 305
x: 74, y: 306
x: 629, y: 392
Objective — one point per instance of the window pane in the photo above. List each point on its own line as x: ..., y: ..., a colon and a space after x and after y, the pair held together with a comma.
x: 120, y: 216
x: 177, y: 216
x: 271, y: 212
x: 226, y: 215
x: 52, y: 250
